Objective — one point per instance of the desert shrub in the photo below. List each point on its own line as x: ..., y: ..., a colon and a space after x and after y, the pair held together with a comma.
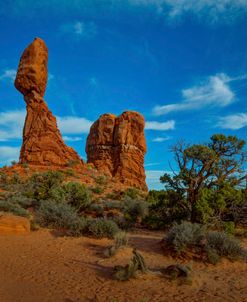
x: 97, y: 190
x: 229, y: 227
x: 3, y: 178
x: 113, y: 204
x: 72, y: 163
x: 101, y: 228
x: 19, y: 198
x: 25, y: 165
x: 132, y: 193
x: 41, y: 186
x: 69, y: 172
x: 79, y: 226
x: 97, y: 208
x: 14, y: 208
x: 181, y: 236
x: 137, y: 265
x: 13, y: 162
x: 77, y: 195
x: 57, y: 215
x: 221, y: 244
x: 113, y: 196
x: 120, y: 239
x: 134, y: 210
x: 101, y: 180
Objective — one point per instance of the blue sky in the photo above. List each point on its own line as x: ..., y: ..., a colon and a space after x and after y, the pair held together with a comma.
x: 181, y: 63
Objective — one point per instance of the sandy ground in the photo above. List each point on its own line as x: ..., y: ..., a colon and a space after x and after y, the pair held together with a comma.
x: 45, y: 267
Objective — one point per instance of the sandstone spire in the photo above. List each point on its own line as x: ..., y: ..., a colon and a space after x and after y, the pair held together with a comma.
x: 42, y: 140
x: 116, y: 146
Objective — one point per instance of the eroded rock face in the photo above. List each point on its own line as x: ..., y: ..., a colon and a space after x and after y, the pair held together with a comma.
x: 116, y: 146
x: 42, y: 140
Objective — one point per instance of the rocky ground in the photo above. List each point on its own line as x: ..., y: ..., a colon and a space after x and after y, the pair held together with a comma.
x: 44, y: 266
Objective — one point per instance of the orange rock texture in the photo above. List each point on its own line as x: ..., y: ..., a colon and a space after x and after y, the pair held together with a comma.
x: 13, y: 224
x: 116, y: 146
x: 42, y: 140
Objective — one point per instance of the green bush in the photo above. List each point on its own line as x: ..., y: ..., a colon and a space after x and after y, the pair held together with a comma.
x: 101, y: 180
x: 132, y: 193
x: 56, y: 215
x: 97, y: 190
x: 120, y: 239
x: 101, y: 228
x: 165, y: 207
x: 77, y: 195
x: 181, y: 236
x: 229, y: 227
x: 134, y: 210
x: 42, y: 186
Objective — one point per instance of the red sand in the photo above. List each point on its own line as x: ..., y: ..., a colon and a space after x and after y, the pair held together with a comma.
x: 42, y: 267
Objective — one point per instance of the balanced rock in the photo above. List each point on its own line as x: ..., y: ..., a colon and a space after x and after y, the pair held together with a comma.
x: 13, y: 224
x: 116, y: 146
x: 42, y: 140
x: 32, y: 70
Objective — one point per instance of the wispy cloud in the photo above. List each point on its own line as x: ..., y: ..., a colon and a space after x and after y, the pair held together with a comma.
x: 79, y: 29
x: 8, y: 154
x: 153, y: 178
x: 72, y: 138
x: 233, y: 121
x: 160, y: 126
x: 8, y: 74
x: 215, y: 91
x: 73, y: 124
x: 211, y: 10
x: 161, y: 139
x: 151, y: 164
x: 12, y: 122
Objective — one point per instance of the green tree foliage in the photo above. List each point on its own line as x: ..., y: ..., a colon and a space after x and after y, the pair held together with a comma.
x: 165, y: 207
x: 211, y: 165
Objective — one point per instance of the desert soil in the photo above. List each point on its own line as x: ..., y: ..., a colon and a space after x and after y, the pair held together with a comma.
x: 45, y: 267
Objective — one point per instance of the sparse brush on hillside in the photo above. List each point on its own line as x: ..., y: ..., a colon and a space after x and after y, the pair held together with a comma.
x: 77, y: 195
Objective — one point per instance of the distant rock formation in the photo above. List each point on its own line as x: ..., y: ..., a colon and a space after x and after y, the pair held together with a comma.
x: 116, y: 146
x: 42, y: 140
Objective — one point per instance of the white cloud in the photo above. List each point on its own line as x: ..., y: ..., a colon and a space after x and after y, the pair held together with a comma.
x: 11, y: 124
x: 214, y: 92
x: 153, y: 179
x: 151, y: 164
x: 160, y: 139
x: 8, y: 74
x: 233, y: 121
x: 79, y: 29
x: 73, y: 124
x: 212, y: 10
x: 160, y: 126
x: 72, y: 138
x: 8, y: 154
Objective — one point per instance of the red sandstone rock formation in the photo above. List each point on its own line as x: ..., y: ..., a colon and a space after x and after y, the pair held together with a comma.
x: 42, y: 140
x: 116, y: 146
